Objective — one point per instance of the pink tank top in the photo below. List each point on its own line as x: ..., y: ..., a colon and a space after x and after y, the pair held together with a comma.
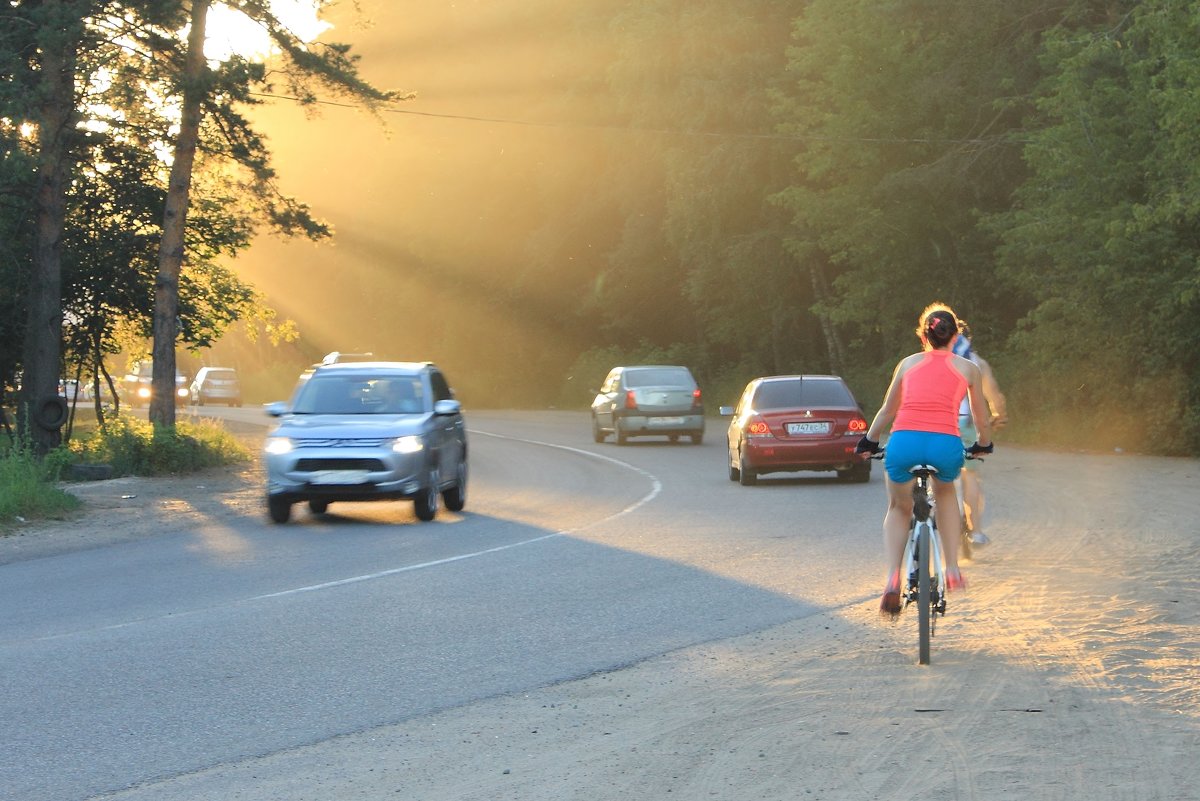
x: 930, y: 394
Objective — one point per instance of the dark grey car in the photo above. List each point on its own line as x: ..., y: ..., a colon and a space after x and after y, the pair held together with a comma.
x: 366, y: 431
x: 648, y: 400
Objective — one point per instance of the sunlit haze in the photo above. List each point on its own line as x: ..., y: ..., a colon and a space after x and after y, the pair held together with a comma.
x: 433, y: 215
x: 232, y: 32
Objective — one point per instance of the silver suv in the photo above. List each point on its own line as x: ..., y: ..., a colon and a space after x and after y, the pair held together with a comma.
x: 366, y: 431
x: 648, y: 400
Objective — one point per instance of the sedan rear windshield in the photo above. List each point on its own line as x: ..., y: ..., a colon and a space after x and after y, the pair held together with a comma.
x: 222, y: 375
x: 790, y: 394
x: 361, y: 395
x: 656, y: 377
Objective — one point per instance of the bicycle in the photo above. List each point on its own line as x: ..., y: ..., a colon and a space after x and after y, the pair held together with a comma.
x: 923, y: 562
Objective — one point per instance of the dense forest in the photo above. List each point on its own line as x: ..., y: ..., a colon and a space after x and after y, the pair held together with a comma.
x: 755, y: 187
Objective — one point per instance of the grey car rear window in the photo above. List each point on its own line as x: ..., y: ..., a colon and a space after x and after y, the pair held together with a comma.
x: 789, y: 394
x: 659, y: 377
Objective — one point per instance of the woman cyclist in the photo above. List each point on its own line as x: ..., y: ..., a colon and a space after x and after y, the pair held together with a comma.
x: 921, y: 409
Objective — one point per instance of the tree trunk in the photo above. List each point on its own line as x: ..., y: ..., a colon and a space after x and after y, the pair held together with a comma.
x: 833, y: 343
x: 171, y: 249
x: 42, y: 351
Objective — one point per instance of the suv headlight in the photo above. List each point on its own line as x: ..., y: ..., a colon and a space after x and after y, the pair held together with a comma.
x: 278, y: 446
x: 409, y: 444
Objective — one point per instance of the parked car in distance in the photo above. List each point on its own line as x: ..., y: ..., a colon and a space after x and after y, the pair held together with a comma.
x: 367, y: 431
x: 137, y: 388
x: 216, y: 385
x: 788, y: 423
x: 648, y: 400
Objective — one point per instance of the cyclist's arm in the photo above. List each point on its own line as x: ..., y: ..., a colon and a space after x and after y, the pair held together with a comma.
x: 991, y: 392
x: 979, y: 406
x: 891, y: 404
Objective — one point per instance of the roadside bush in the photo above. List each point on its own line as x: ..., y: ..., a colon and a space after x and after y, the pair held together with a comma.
x: 136, y: 447
x: 27, y: 489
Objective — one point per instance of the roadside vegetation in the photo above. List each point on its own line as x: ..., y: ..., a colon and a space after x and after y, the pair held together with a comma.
x: 31, y: 487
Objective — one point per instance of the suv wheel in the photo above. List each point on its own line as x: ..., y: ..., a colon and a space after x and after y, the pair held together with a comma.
x: 426, y: 504
x: 280, y: 509
x: 456, y: 497
x: 318, y: 507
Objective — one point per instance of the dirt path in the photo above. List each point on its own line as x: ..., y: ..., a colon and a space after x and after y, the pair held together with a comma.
x: 1069, y: 670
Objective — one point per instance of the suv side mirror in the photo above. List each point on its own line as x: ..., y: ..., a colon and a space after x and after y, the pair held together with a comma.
x: 276, y: 409
x: 447, y: 407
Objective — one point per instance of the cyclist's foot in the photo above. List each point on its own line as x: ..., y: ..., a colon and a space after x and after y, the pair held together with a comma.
x: 955, y: 580
x: 979, y: 539
x: 889, y: 605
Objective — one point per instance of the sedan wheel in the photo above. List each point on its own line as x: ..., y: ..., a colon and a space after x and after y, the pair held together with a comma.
x: 734, y: 472
x: 746, y: 476
x: 598, y: 434
x: 622, y: 437
x: 318, y: 507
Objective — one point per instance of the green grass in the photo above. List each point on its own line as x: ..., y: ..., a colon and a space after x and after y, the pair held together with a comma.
x: 29, y: 487
x: 136, y: 447
x: 28, y: 491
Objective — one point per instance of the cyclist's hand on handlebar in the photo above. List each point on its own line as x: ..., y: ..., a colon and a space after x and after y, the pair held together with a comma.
x: 977, y: 449
x: 866, y: 446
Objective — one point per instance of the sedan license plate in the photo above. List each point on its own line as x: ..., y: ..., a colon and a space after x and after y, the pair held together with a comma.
x: 665, y: 421
x: 796, y: 429
x: 339, y: 477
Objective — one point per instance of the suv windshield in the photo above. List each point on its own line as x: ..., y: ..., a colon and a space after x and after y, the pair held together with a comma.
x: 361, y: 395
x: 790, y: 394
x: 659, y: 377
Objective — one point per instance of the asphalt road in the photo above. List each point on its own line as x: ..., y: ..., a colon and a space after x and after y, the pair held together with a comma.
x: 146, y: 660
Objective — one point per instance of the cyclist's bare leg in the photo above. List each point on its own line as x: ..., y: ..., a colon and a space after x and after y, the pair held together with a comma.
x: 972, y: 489
x: 949, y: 523
x: 895, y: 524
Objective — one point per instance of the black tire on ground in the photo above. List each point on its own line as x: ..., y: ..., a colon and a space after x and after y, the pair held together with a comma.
x: 746, y: 476
x: 858, y: 474
x: 734, y: 473
x: 622, y: 437
x: 279, y: 509
x: 697, y: 437
x: 598, y: 434
x: 425, y: 505
x: 924, y: 600
x: 455, y: 497
x: 318, y: 507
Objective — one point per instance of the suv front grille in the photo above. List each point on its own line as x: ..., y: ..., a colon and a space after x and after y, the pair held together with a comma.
x: 340, y: 443
x: 312, y: 465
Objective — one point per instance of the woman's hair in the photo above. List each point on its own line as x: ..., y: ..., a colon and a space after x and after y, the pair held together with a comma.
x: 938, y: 326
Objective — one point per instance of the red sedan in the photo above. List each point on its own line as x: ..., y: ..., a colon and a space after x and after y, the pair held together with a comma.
x: 788, y: 423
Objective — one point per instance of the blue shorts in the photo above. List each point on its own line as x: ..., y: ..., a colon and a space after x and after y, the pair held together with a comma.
x: 906, y: 449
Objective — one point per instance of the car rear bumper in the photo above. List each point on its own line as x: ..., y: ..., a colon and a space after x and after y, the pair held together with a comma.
x: 642, y: 423
x: 775, y: 455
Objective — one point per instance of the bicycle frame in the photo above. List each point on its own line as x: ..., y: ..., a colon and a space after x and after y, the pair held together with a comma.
x: 923, y: 562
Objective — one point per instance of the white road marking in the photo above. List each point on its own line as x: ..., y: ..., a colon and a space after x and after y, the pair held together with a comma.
x: 655, y: 489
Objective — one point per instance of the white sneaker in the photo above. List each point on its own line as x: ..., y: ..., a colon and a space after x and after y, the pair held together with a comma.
x: 979, y: 539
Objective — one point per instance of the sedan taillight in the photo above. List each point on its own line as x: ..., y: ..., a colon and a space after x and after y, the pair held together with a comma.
x: 630, y: 399
x: 857, y: 425
x: 696, y: 402
x: 757, y: 428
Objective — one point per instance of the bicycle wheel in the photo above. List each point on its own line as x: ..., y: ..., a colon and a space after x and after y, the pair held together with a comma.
x: 924, y: 611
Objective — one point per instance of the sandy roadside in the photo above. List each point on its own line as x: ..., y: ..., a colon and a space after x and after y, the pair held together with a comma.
x: 1069, y: 670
